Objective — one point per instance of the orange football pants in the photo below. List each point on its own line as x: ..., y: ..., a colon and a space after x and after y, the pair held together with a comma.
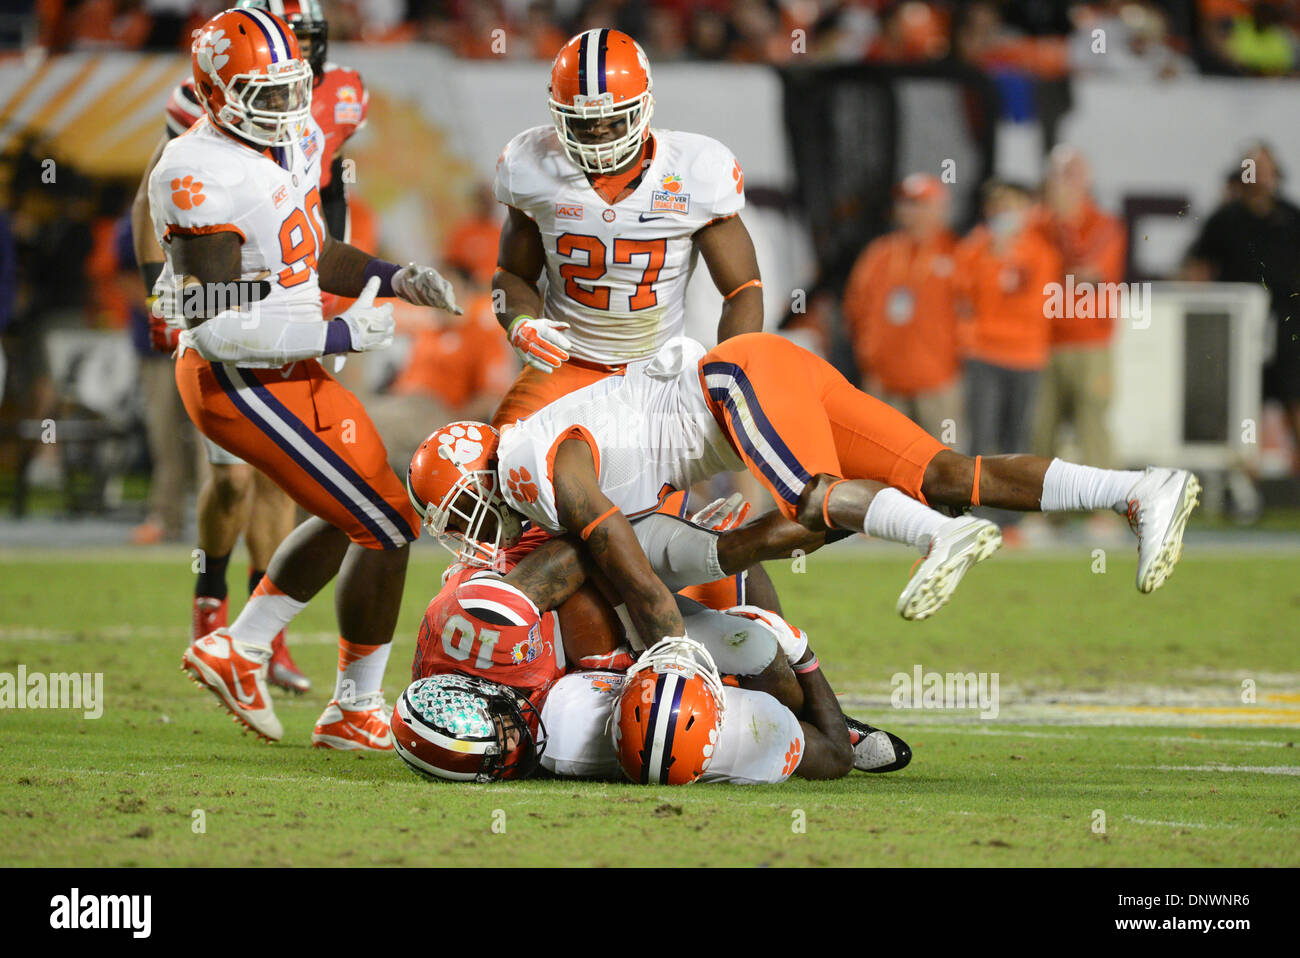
x: 790, y: 416
x: 310, y: 436
x: 534, y: 389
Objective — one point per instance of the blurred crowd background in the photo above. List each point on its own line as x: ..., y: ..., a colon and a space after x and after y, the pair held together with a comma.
x: 927, y: 294
x: 1048, y: 37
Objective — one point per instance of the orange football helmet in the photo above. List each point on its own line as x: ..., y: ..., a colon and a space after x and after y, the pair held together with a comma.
x: 251, y: 77
x: 453, y: 475
x: 307, y: 20
x: 669, y: 715
x: 601, y: 74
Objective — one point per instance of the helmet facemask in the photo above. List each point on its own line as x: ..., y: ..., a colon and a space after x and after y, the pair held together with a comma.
x: 472, y: 499
x: 609, y: 156
x: 267, y: 109
x: 685, y: 655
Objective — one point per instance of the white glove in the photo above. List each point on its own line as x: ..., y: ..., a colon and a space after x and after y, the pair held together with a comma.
x: 371, y: 326
x: 722, y: 514
x: 425, y: 286
x: 539, y: 342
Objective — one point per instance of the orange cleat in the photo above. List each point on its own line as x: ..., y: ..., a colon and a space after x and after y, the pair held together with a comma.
x: 207, y: 615
x: 363, y: 728
x: 284, y: 672
x: 236, y: 674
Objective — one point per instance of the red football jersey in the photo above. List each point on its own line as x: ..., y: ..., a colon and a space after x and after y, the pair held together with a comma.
x: 480, y: 625
x: 339, y: 102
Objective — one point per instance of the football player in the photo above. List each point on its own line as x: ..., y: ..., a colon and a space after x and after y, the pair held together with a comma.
x: 501, y: 616
x: 236, y: 498
x: 833, y: 457
x: 235, y: 203
x: 615, y: 214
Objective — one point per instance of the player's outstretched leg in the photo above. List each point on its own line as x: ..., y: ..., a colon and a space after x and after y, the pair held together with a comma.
x: 367, y: 599
x: 1157, y: 501
x: 949, y: 546
x: 233, y: 662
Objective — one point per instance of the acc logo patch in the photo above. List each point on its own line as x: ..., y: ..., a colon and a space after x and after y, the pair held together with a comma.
x: 348, y: 107
x: 279, y: 196
x: 568, y: 211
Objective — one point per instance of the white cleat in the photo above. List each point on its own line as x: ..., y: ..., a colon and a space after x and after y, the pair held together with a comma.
x: 958, y: 545
x: 1158, y: 506
x: 236, y: 674
x: 362, y: 726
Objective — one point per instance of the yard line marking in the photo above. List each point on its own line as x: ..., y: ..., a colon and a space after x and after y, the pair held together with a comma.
x: 1156, y: 739
x: 1218, y: 767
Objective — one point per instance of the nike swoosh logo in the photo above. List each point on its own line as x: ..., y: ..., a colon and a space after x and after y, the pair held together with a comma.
x: 646, y: 219
x: 239, y: 691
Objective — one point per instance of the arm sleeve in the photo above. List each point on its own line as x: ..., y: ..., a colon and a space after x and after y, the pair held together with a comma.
x: 244, y: 336
x: 334, y: 201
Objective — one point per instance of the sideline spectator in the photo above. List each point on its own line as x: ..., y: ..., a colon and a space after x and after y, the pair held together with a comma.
x: 1253, y: 238
x: 1076, y: 386
x: 1003, y: 266
x: 899, y: 309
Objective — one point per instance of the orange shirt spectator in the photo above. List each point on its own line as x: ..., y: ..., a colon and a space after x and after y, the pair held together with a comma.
x: 459, y: 361
x: 473, y: 242
x: 1008, y: 325
x: 1090, y: 242
x: 899, y: 308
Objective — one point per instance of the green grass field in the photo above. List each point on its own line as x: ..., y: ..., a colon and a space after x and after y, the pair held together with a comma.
x: 1112, y: 704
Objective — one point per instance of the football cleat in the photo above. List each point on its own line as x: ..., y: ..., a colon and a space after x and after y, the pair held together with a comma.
x: 284, y: 672
x: 365, y: 727
x: 236, y: 674
x: 958, y: 545
x: 207, y: 615
x: 875, y: 750
x: 1158, y: 506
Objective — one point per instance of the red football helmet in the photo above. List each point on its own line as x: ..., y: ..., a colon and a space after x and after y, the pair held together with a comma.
x: 464, y: 728
x: 669, y: 715
x: 251, y: 77
x: 453, y: 475
x: 307, y: 20
x: 597, y: 75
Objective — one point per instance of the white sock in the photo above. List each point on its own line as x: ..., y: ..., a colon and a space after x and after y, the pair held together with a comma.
x: 900, y: 518
x: 361, y: 670
x: 1071, y: 488
x: 267, y: 611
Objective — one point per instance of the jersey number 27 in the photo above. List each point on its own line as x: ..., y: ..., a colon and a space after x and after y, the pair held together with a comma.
x: 597, y: 297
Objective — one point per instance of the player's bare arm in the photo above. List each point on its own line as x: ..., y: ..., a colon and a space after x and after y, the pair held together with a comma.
x: 728, y: 251
x: 611, y: 543
x: 147, y: 251
x: 520, y: 261
x: 827, y: 752
x: 551, y: 573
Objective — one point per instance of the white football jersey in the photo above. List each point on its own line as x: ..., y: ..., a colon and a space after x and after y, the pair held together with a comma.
x: 617, y: 274
x: 649, y: 428
x: 761, y: 743
x: 207, y: 182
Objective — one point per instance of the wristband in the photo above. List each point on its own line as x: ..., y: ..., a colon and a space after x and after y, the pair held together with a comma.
x: 807, y: 667
x: 338, y: 337
x: 385, y: 271
x: 510, y: 330
x: 591, y: 526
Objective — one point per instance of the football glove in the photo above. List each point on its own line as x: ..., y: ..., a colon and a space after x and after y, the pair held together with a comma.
x: 425, y: 286
x: 165, y: 321
x: 722, y: 514
x: 539, y: 342
x: 370, y: 326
